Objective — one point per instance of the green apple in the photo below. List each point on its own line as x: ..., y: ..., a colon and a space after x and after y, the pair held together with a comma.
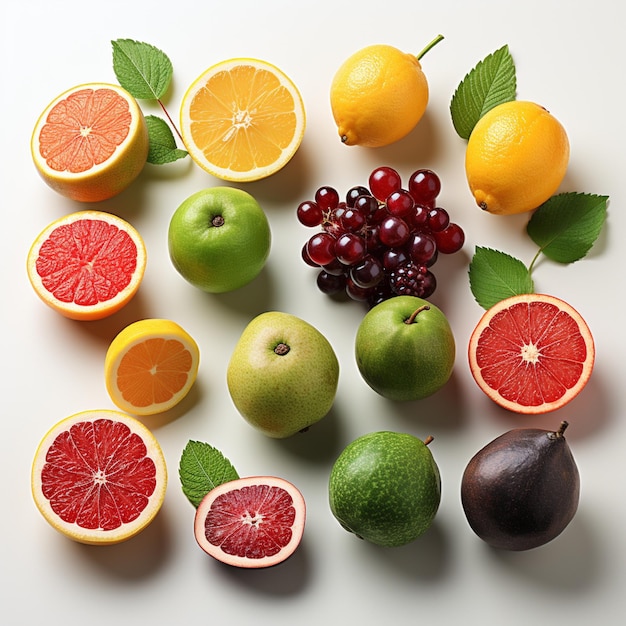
x: 282, y: 375
x: 219, y: 239
x: 385, y: 487
x: 405, y: 348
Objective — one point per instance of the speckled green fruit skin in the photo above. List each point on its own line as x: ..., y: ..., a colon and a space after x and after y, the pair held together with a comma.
x: 222, y: 258
x: 282, y: 395
x: 385, y: 487
x: 403, y: 361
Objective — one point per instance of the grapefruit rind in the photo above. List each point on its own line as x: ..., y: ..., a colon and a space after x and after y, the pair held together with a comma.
x: 104, y: 308
x: 134, y: 335
x: 569, y: 393
x: 215, y: 551
x: 99, y: 536
x: 255, y: 173
x: 109, y: 178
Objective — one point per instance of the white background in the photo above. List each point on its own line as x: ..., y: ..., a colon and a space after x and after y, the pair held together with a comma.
x: 569, y: 57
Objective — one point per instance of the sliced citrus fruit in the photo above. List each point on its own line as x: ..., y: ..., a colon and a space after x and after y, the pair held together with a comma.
x: 150, y: 366
x: 99, y: 477
x: 242, y: 119
x: 251, y: 522
x: 87, y: 265
x: 91, y: 142
x: 531, y: 353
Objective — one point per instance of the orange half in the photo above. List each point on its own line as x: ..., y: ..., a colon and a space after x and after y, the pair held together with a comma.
x: 91, y: 142
x: 242, y: 120
x: 531, y: 353
x: 150, y: 366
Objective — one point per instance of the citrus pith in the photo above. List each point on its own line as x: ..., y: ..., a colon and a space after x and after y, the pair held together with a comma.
x: 150, y: 366
x: 99, y: 477
x: 242, y: 119
x: 531, y: 353
x: 516, y: 158
x: 91, y: 142
x: 87, y: 265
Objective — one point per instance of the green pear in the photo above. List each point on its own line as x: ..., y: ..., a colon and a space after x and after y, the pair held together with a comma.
x: 282, y: 375
x: 405, y: 348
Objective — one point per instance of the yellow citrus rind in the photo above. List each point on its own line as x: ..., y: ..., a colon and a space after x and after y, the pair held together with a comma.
x: 130, y: 338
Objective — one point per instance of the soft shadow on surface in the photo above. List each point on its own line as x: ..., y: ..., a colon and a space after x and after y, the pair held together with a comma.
x: 137, y: 558
x: 426, y: 559
x: 284, y: 579
x: 570, y: 563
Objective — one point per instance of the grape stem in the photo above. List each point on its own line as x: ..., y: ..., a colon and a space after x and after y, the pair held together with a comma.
x: 411, y: 319
x: 432, y: 44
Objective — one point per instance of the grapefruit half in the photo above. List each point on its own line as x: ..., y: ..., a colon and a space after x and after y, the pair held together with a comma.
x: 91, y: 142
x: 99, y: 477
x: 87, y: 265
x: 531, y: 353
x: 251, y: 522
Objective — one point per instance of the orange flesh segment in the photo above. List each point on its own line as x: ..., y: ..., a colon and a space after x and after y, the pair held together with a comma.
x: 153, y: 371
x: 84, y: 130
x: 87, y: 262
x: 98, y: 475
x: 243, y: 118
x: 532, y: 353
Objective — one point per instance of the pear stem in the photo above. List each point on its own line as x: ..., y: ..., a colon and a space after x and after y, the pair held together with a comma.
x: 432, y: 44
x: 281, y: 349
x: 415, y: 313
x: 428, y: 440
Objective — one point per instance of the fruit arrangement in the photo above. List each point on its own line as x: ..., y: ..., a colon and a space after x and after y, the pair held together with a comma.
x: 377, y: 244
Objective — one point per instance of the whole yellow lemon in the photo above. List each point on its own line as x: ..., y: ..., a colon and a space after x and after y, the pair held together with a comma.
x: 516, y: 157
x: 378, y: 95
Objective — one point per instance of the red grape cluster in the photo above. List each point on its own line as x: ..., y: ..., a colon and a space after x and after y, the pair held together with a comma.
x: 380, y: 241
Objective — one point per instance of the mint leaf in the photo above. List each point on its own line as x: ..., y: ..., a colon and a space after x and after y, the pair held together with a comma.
x: 491, y: 82
x: 202, y: 467
x: 566, y: 226
x: 143, y: 70
x: 162, y: 143
x: 495, y: 276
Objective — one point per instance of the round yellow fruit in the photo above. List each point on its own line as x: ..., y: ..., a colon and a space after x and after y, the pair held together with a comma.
x: 378, y: 95
x: 516, y: 158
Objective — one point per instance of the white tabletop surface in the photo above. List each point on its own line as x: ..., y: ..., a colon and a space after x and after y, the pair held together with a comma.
x: 569, y: 57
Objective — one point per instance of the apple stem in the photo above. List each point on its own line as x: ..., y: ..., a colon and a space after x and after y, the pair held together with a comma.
x: 428, y: 440
x: 415, y: 313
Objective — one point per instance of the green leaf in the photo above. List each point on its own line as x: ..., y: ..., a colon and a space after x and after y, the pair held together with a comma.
x: 202, y: 467
x: 567, y: 225
x: 162, y: 142
x: 491, y: 82
x: 143, y: 70
x: 495, y: 276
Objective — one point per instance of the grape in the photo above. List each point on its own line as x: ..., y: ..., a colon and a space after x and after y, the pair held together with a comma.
x: 321, y: 248
x: 354, y: 193
x: 310, y: 214
x: 327, y: 198
x: 350, y: 248
x: 394, y: 231
x: 383, y: 181
x: 382, y: 241
x: 330, y: 283
x: 451, y: 239
x: 424, y: 186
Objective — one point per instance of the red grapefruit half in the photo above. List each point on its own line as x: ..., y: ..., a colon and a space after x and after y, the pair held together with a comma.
x: 87, y: 265
x: 251, y: 522
x: 531, y: 353
x: 99, y: 477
